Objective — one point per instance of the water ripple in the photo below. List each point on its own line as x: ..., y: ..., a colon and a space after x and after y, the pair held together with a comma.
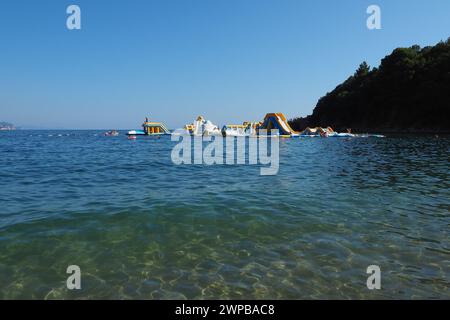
x: 140, y: 227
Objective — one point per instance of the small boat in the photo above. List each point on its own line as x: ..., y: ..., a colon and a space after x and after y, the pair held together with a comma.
x: 112, y: 133
x: 131, y: 137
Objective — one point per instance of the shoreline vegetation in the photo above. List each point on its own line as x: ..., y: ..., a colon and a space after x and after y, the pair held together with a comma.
x: 408, y: 93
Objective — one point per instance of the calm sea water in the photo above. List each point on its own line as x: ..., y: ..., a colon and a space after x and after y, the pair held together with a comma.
x: 140, y: 227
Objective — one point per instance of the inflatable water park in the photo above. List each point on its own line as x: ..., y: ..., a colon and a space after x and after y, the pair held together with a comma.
x: 275, y: 124
x: 150, y: 128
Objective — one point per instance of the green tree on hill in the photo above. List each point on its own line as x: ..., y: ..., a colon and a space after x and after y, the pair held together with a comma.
x: 409, y: 91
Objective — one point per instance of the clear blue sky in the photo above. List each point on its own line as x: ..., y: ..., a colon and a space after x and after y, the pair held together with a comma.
x: 229, y: 60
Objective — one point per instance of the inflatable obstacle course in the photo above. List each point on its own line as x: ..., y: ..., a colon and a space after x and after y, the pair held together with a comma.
x: 150, y: 128
x: 278, y: 121
x: 272, y: 121
x: 154, y: 128
x: 201, y: 127
x: 247, y: 129
x: 319, y: 132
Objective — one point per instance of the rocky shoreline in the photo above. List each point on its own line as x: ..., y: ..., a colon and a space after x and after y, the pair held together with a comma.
x: 5, y: 126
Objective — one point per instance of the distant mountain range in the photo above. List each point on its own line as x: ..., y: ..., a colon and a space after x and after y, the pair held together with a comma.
x: 408, y: 92
x: 7, y: 126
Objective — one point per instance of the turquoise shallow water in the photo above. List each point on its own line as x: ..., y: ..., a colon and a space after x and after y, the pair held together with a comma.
x: 140, y: 227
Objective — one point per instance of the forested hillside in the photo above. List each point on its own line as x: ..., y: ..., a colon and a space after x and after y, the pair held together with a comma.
x: 408, y: 92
